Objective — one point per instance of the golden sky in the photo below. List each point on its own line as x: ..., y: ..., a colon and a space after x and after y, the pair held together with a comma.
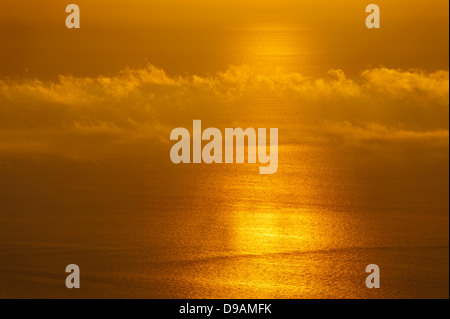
x: 137, y: 69
x: 207, y: 36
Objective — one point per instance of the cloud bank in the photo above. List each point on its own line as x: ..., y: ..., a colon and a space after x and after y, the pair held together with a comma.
x: 82, y: 117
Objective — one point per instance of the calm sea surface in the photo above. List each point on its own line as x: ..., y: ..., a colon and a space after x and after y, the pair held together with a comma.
x: 224, y: 231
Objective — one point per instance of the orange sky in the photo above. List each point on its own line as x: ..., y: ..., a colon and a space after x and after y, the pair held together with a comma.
x: 307, y: 60
x: 207, y: 36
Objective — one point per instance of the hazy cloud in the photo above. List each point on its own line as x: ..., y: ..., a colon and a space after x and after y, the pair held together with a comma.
x: 84, y: 117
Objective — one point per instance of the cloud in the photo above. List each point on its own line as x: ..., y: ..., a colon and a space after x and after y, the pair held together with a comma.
x: 376, y: 133
x: 83, y: 117
x: 405, y: 84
